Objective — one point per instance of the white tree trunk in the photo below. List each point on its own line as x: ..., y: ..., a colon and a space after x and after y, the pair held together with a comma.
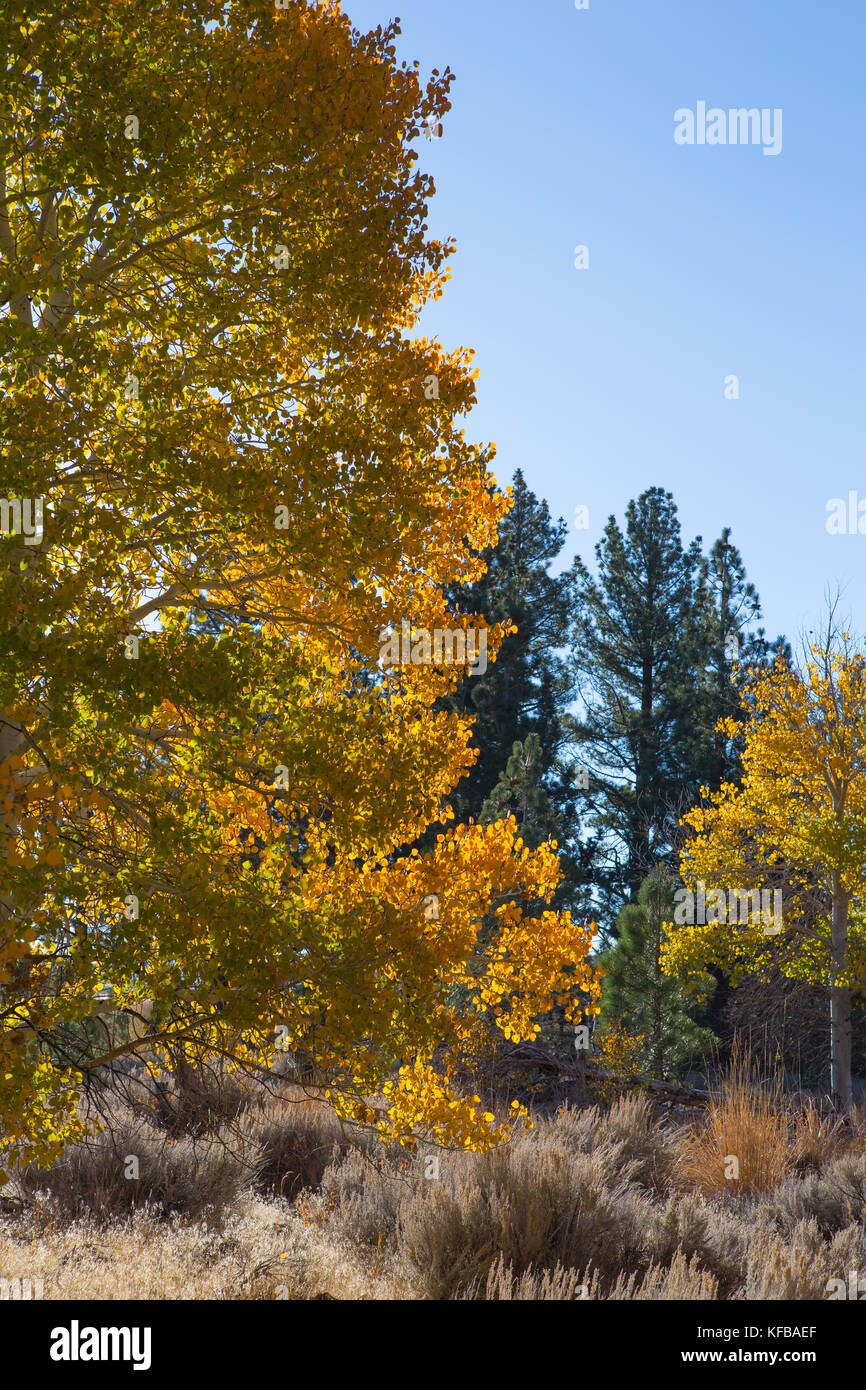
x: 840, y: 1001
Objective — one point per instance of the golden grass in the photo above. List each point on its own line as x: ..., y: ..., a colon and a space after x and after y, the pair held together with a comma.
x: 751, y: 1140
x: 265, y: 1252
x: 601, y: 1204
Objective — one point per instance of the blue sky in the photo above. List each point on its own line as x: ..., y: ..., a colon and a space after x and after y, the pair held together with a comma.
x: 704, y: 262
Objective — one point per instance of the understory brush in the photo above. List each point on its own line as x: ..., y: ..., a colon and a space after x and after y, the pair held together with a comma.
x: 278, y: 1199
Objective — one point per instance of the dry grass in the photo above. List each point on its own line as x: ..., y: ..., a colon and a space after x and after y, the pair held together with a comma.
x: 266, y: 1254
x: 547, y: 1285
x: 682, y: 1280
x: 534, y: 1203
x: 297, y: 1138
x: 201, y: 1101
x: 276, y: 1201
x: 753, y: 1137
x: 817, y: 1137
x: 133, y: 1164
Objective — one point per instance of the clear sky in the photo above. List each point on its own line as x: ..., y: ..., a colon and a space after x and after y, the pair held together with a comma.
x: 705, y: 262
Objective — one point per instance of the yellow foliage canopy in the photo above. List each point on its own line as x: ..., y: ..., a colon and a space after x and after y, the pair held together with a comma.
x: 214, y: 251
x: 797, y: 825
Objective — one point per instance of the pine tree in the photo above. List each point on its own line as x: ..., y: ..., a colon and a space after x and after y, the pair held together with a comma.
x: 635, y: 641
x: 523, y: 691
x: 662, y: 648
x: 638, y: 995
x: 519, y: 792
x: 529, y: 688
x: 729, y: 605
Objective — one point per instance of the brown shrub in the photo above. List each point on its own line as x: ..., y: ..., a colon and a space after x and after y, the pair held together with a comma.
x: 834, y: 1199
x: 817, y: 1137
x: 744, y: 1145
x: 716, y: 1238
x: 583, y: 1206
x: 532, y: 1201
x: 682, y: 1280
x: 186, y: 1100
x: 639, y: 1148
x: 195, y: 1177
x: 298, y: 1139
x: 800, y: 1265
x: 365, y: 1191
x: 546, y: 1285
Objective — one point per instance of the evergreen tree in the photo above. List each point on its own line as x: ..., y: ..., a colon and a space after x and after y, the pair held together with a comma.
x: 662, y: 647
x: 728, y: 606
x: 636, y: 642
x: 520, y: 793
x: 637, y: 994
x: 528, y: 689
